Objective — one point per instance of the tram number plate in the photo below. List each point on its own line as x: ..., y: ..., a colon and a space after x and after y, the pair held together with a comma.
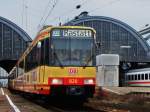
x: 72, y: 81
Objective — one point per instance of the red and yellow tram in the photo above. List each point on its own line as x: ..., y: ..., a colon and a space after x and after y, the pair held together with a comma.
x: 59, y: 61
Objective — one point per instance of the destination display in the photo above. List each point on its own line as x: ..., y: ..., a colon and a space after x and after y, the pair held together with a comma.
x: 72, y: 33
x: 77, y: 33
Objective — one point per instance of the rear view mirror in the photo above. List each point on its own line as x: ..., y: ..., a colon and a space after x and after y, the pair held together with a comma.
x: 98, y: 44
x: 39, y: 45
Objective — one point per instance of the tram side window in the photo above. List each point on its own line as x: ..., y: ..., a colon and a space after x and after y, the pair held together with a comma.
x: 28, y: 62
x: 146, y: 76
x: 138, y: 76
x: 21, y: 68
x: 142, y: 76
x: 149, y: 75
x: 47, y: 48
x: 129, y: 77
x: 37, y: 56
x: 34, y: 60
x: 44, y: 52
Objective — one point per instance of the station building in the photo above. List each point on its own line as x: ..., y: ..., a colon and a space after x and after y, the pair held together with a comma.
x: 115, y: 37
x: 147, y: 39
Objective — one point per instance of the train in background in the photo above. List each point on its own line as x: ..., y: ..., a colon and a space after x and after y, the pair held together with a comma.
x: 59, y: 61
x: 138, y: 77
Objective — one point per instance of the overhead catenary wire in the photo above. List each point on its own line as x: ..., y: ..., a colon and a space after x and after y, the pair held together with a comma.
x: 70, y: 11
x: 51, y: 10
x: 26, y: 16
x: 49, y: 13
x: 46, y: 8
x: 22, y: 13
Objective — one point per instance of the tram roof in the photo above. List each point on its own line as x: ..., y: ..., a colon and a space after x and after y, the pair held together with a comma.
x: 139, y: 70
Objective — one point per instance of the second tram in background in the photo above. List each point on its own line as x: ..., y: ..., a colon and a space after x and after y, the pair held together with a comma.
x: 60, y: 61
x: 138, y: 77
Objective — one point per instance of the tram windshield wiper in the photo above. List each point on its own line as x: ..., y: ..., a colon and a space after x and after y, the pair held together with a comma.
x: 56, y: 57
x: 87, y: 62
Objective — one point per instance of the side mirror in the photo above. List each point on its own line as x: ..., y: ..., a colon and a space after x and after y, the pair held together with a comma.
x: 98, y: 44
x: 39, y: 45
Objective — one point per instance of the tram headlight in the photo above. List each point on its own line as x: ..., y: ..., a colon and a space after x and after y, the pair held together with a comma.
x: 88, y: 81
x: 56, y: 81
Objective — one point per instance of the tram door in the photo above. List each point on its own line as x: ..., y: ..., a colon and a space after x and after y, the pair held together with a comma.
x: 44, y: 58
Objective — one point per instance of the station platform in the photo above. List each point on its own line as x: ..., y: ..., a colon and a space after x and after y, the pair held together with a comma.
x: 126, y: 90
x: 15, y: 103
x: 4, y: 103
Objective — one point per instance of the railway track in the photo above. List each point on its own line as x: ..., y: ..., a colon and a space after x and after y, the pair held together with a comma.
x: 28, y: 103
x: 63, y: 106
x: 126, y: 103
x: 121, y: 103
x: 72, y: 109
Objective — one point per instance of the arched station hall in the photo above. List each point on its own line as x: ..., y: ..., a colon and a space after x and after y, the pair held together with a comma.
x: 116, y: 37
x: 13, y: 42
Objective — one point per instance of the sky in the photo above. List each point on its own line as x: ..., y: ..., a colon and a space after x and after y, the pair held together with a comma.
x: 30, y: 15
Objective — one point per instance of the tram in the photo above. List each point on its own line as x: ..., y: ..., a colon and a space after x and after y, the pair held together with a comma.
x: 59, y: 61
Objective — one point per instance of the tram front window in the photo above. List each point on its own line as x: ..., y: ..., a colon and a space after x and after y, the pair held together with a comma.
x: 73, y: 51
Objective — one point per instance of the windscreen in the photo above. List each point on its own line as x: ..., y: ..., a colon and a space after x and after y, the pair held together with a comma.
x: 73, y: 47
